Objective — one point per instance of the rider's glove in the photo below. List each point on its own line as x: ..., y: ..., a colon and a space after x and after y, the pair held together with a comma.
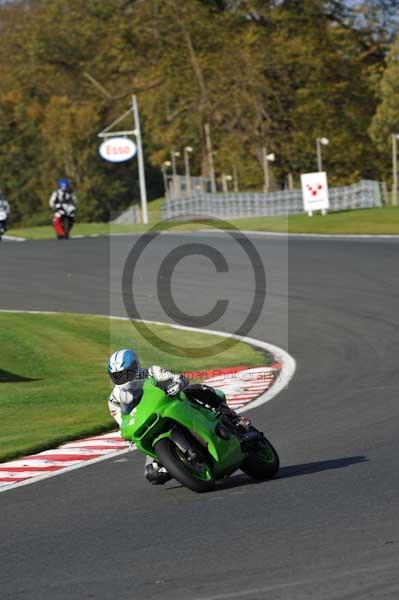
x: 160, y: 374
x: 174, y: 388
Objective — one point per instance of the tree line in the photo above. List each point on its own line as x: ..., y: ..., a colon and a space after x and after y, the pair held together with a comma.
x: 279, y: 73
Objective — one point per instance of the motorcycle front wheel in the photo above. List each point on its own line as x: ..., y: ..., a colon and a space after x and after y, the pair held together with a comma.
x: 195, y: 474
x: 262, y: 463
x: 66, y: 225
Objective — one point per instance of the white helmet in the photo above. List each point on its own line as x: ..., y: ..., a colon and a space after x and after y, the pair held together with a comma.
x: 123, y: 366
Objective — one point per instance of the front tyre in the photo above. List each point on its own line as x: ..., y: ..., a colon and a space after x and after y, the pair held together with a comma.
x: 262, y: 463
x: 196, y: 474
x: 66, y: 225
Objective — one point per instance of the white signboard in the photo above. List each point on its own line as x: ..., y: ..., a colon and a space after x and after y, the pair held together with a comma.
x: 315, y: 192
x: 117, y: 149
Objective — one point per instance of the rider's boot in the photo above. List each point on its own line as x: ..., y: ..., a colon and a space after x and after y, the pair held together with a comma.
x: 156, y: 474
x: 248, y: 435
x: 237, y: 420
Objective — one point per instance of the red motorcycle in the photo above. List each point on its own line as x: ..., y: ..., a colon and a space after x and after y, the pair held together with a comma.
x: 63, y: 220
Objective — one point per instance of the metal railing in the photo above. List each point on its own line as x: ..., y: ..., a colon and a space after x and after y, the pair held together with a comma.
x: 365, y: 194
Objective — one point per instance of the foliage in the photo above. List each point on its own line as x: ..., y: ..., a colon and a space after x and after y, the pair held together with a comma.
x: 386, y: 119
x: 274, y: 72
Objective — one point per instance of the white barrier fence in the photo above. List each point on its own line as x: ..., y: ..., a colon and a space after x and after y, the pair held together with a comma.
x: 365, y: 194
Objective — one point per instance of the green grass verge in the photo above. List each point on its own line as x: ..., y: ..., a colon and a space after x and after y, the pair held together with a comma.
x: 384, y: 220
x: 53, y: 384
x: 367, y: 221
x: 46, y: 232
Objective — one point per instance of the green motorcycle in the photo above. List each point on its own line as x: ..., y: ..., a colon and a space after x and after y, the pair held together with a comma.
x: 195, y: 444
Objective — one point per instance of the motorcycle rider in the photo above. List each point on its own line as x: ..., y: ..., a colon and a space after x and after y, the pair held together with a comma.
x: 126, y: 373
x: 62, y: 196
x: 4, y: 212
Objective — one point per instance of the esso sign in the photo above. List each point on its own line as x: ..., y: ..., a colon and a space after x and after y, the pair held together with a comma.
x: 117, y: 149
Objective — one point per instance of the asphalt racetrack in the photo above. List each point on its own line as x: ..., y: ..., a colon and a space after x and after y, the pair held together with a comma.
x: 326, y: 528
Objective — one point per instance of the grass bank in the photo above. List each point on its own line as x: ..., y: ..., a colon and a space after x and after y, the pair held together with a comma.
x: 46, y: 232
x: 53, y: 382
x: 384, y: 220
x: 371, y: 221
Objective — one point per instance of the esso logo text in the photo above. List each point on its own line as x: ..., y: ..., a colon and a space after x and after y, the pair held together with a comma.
x: 117, y: 149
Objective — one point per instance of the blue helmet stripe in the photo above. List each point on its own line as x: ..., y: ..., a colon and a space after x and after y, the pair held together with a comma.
x: 128, y: 359
x: 120, y: 360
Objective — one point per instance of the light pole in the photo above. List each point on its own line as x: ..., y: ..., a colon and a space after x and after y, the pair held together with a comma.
x: 187, y: 152
x: 109, y: 132
x: 140, y: 160
x: 266, y: 159
x: 136, y: 131
x: 173, y: 156
x: 235, y: 178
x: 209, y: 150
x: 395, y: 137
x: 320, y: 142
x: 165, y: 165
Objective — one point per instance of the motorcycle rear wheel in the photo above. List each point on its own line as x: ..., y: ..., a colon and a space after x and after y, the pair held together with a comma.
x: 263, y: 463
x: 198, y: 478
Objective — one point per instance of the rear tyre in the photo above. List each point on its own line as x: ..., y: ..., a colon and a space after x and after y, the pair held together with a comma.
x: 263, y: 463
x: 195, y: 475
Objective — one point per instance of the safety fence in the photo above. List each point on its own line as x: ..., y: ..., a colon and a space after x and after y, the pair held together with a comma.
x: 365, y: 194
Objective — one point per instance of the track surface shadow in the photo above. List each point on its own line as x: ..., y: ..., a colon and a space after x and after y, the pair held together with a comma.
x: 316, y: 467
x: 241, y: 479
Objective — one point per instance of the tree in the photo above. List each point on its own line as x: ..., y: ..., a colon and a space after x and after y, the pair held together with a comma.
x: 386, y: 119
x: 274, y: 72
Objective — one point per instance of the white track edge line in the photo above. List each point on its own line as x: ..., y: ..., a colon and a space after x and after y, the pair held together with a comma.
x: 334, y: 236
x: 277, y: 234
x: 286, y: 373
x: 286, y: 234
x: 13, y: 238
x: 283, y: 234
